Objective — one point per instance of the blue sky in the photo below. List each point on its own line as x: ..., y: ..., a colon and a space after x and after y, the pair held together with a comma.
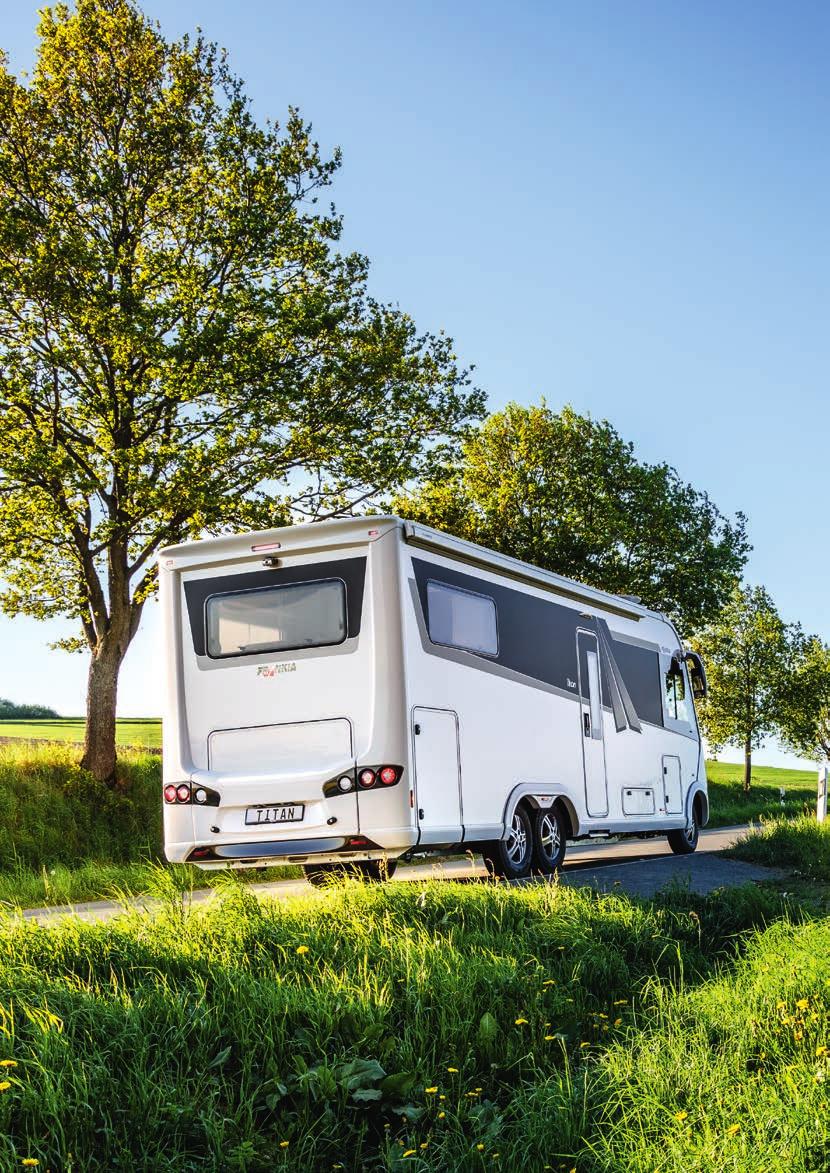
x: 620, y: 206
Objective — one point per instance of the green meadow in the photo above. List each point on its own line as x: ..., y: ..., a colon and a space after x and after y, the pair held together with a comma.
x: 436, y: 1026
x: 139, y: 733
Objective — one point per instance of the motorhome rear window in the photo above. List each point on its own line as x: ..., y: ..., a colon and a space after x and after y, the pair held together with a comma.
x: 461, y: 619
x: 276, y: 619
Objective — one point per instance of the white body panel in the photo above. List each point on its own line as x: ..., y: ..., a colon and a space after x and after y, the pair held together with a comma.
x: 484, y: 681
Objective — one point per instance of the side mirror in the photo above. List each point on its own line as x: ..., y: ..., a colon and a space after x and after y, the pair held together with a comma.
x: 697, y: 675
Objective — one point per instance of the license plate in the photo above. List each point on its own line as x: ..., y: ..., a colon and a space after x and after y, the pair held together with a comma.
x: 287, y: 813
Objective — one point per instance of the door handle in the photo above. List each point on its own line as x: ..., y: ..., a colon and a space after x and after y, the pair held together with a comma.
x: 586, y: 723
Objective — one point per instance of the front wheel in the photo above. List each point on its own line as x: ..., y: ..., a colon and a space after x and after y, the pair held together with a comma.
x: 510, y: 858
x: 684, y: 842
x: 549, y: 840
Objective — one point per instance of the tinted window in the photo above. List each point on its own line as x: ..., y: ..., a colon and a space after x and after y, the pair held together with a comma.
x: 279, y: 618
x: 462, y: 619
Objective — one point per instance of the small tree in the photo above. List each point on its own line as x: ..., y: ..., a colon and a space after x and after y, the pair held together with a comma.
x: 805, y: 717
x: 749, y: 654
x: 181, y: 347
x: 567, y: 493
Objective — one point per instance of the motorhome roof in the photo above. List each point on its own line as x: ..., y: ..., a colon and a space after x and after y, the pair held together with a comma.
x: 310, y: 536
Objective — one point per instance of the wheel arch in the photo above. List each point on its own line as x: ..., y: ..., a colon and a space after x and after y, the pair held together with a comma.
x: 698, y: 797
x: 537, y: 797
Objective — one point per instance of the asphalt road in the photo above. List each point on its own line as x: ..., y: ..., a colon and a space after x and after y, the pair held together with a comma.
x: 640, y: 867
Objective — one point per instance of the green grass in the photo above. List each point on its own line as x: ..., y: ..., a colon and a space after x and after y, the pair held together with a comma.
x: 729, y: 806
x: 419, y: 1027
x: 802, y: 846
x: 140, y: 733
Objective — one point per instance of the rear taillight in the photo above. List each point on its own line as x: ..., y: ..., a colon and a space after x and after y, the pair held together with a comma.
x: 183, y: 792
x: 170, y: 793
x: 371, y: 776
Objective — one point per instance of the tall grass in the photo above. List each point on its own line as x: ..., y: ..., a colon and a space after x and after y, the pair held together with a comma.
x: 801, y: 845
x: 439, y: 1026
x: 53, y: 812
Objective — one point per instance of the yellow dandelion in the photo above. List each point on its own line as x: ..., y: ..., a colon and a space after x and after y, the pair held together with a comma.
x: 477, y: 1090
x: 441, y: 1115
x: 430, y: 1091
x: 621, y: 1002
x: 617, y: 1021
x: 301, y: 949
x: 803, y: 1003
x: 581, y: 1045
x: 8, y: 1063
x: 798, y: 1035
x: 681, y: 1116
x: 284, y: 1144
x: 732, y: 1129
x: 820, y: 1051
x: 549, y: 1038
x: 442, y: 1097
x: 549, y: 982
x: 425, y: 1143
x: 521, y: 1022
x: 453, y: 1070
x: 480, y: 1148
x: 780, y: 1005
x: 410, y: 1153
x: 5, y: 1085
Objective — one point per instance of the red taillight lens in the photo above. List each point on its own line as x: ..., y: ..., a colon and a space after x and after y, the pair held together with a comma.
x: 170, y: 793
x: 366, y: 778
x: 388, y: 775
x: 183, y: 793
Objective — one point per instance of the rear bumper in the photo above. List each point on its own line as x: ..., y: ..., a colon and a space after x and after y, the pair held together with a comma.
x: 288, y: 850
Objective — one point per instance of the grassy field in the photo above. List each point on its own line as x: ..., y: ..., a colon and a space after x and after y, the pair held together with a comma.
x: 140, y: 733
x: 436, y: 1027
x: 729, y: 806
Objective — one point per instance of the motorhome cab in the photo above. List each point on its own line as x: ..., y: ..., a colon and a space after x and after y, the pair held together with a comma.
x: 358, y: 691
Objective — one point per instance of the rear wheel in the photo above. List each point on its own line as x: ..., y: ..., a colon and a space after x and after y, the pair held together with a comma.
x: 684, y: 842
x: 372, y: 870
x: 549, y: 840
x: 377, y: 870
x: 510, y: 858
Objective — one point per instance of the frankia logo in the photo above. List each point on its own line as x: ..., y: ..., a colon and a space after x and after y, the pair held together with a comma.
x: 269, y: 670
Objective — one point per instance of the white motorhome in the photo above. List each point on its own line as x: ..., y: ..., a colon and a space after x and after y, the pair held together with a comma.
x: 350, y: 693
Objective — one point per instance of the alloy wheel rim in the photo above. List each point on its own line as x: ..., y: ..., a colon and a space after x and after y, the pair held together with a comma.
x: 549, y: 837
x: 517, y: 842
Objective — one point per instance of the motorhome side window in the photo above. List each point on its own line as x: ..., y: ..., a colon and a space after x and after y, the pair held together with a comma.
x: 279, y: 618
x: 461, y: 619
x: 677, y: 699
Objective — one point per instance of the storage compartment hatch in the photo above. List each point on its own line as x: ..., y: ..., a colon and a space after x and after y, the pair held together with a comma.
x: 295, y: 748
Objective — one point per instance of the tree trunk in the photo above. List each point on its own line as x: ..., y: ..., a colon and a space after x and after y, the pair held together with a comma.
x: 747, y: 766
x: 101, y: 696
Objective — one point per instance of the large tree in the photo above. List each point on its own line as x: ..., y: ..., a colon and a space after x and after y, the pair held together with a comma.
x: 750, y: 656
x: 182, y: 347
x: 567, y: 493
x: 805, y: 715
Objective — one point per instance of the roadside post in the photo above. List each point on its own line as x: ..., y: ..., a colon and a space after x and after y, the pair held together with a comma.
x: 821, y: 803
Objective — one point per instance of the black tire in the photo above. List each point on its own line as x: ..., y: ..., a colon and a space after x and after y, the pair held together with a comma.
x: 371, y: 870
x: 510, y: 858
x: 684, y: 842
x: 322, y: 874
x: 549, y: 840
x: 376, y: 871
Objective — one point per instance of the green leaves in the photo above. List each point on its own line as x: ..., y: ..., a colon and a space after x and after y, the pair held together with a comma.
x: 750, y: 656
x: 183, y: 348
x: 567, y: 493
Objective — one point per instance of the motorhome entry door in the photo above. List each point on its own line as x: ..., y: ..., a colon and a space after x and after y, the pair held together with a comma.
x: 437, y: 775
x: 591, y: 723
